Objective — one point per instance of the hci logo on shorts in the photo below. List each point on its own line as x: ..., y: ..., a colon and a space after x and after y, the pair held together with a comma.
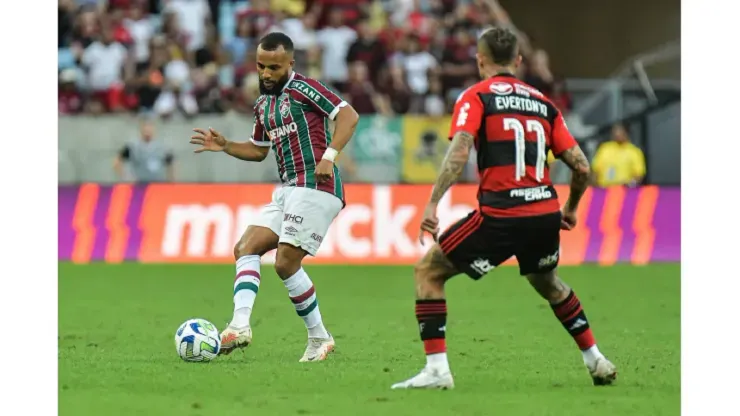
x: 297, y: 219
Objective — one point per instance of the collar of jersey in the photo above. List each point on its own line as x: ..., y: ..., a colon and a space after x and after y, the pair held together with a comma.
x: 292, y: 74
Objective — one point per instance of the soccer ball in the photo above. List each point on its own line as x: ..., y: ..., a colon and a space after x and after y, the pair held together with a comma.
x: 197, y: 340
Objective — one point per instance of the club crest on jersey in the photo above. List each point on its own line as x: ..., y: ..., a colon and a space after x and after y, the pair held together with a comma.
x: 262, y: 106
x: 284, y: 105
x: 501, y: 88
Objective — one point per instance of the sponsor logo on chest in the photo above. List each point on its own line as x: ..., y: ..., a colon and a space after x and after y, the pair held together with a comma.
x: 282, y: 131
x: 538, y: 193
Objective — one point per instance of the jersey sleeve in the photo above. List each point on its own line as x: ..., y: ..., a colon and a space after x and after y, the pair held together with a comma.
x: 562, y: 140
x: 467, y: 115
x: 319, y: 97
x: 259, y: 135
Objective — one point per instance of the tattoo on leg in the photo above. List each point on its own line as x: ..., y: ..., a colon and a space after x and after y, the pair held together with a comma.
x: 431, y: 273
x: 438, y: 260
x: 549, y: 286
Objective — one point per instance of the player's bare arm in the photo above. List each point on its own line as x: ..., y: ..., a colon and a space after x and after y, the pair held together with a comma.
x: 453, y: 164
x: 452, y: 168
x: 212, y: 141
x: 578, y: 164
x: 345, y: 124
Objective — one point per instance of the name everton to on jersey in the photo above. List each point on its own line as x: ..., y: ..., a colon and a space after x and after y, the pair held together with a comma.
x: 516, y: 103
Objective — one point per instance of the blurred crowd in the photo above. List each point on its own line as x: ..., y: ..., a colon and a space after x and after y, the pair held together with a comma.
x: 162, y: 57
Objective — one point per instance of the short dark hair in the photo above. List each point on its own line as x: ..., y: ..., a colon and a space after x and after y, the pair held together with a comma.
x: 501, y: 45
x: 274, y: 40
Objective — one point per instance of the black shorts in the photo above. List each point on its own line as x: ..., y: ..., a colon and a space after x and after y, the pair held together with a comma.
x: 478, y: 243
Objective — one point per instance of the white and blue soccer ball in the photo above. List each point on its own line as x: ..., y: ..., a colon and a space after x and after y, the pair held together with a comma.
x: 197, y: 340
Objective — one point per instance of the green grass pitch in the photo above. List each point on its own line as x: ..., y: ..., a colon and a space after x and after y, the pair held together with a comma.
x: 508, y: 353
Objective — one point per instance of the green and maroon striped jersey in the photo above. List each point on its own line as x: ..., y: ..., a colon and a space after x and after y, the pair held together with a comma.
x: 296, y: 124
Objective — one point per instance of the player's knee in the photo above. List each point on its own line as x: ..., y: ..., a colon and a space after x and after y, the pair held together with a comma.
x: 425, y: 274
x: 243, y: 248
x: 288, y: 261
x: 286, y: 267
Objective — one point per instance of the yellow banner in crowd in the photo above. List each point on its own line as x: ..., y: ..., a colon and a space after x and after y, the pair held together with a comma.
x: 424, y: 145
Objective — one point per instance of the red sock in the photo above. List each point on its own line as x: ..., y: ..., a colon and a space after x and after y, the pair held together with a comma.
x: 571, y: 315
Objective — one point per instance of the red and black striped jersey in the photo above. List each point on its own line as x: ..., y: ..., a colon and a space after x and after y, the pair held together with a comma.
x: 515, y: 126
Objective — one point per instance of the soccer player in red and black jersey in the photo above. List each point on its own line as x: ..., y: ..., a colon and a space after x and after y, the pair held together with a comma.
x: 512, y: 126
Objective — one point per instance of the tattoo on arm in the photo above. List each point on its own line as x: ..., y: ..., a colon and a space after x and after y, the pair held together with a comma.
x: 578, y: 163
x: 453, y: 164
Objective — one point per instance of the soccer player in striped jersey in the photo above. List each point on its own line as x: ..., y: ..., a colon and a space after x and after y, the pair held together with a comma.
x: 291, y: 118
x: 512, y: 126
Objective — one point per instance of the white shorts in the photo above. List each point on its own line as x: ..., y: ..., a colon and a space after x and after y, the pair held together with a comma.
x: 300, y: 216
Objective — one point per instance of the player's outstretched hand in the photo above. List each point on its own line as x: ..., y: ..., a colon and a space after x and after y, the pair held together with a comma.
x: 430, y: 223
x: 569, y: 220
x: 209, y: 141
x: 324, y: 171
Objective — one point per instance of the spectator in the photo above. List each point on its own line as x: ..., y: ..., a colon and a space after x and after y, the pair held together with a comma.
x: 66, y: 23
x: 148, y: 159
x: 400, y: 11
x: 259, y: 16
x: 205, y: 77
x: 350, y: 10
x: 69, y: 97
x: 397, y: 90
x: 367, y: 49
x: 176, y: 39
x: 560, y: 96
x: 293, y: 8
x: 361, y: 94
x: 194, y: 20
x: 539, y: 74
x: 434, y: 102
x: 142, y: 30
x: 458, y: 62
x: 177, y: 91
x: 241, y: 43
x: 117, y: 22
x: 104, y: 62
x: 86, y: 28
x: 335, y: 41
x: 417, y: 66
x: 618, y: 161
x: 149, y: 79
x: 303, y: 32
x: 427, y: 54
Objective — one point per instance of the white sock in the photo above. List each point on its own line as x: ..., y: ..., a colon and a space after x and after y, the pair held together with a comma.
x: 246, y: 286
x: 303, y: 295
x: 591, y: 355
x: 241, y: 317
x: 438, y: 362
